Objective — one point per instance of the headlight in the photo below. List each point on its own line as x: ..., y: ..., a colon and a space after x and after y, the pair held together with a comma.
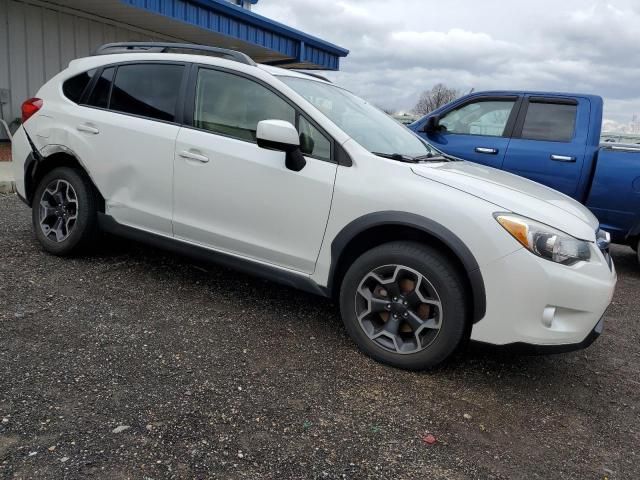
x: 545, y: 241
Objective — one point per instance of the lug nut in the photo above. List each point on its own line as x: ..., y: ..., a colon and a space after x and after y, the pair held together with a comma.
x: 405, y: 314
x: 395, y: 299
x: 388, y: 306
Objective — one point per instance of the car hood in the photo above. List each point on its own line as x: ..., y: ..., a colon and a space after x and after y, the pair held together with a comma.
x: 514, y: 194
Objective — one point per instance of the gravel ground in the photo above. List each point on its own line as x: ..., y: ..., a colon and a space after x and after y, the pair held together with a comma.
x: 134, y: 363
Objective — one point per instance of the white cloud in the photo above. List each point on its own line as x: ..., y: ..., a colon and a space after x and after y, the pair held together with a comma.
x: 399, y: 48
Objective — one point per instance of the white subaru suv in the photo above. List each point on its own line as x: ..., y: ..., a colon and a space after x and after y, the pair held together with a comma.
x: 287, y: 176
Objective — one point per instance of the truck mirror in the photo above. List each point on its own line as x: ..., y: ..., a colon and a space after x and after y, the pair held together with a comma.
x: 432, y: 125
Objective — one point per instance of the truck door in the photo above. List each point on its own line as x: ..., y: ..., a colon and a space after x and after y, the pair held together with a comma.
x: 549, y: 141
x: 478, y: 130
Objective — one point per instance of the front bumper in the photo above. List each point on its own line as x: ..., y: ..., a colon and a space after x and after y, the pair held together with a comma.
x: 537, y: 305
x: 531, y: 349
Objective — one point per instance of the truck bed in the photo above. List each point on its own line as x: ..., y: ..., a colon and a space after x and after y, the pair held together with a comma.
x: 615, y: 190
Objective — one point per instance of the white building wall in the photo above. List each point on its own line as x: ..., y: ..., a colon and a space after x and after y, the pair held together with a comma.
x: 38, y: 40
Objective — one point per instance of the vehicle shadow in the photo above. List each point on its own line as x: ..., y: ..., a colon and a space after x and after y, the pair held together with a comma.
x: 286, y: 300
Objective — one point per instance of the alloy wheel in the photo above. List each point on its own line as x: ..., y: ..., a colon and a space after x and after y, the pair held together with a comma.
x: 399, y: 309
x: 58, y: 210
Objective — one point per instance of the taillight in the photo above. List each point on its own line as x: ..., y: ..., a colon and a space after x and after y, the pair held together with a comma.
x: 29, y: 107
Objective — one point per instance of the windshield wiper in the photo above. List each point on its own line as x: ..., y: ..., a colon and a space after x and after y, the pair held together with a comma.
x: 396, y: 156
x: 431, y: 157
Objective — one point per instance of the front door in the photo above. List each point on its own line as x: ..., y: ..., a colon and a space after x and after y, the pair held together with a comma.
x: 477, y: 130
x: 233, y: 196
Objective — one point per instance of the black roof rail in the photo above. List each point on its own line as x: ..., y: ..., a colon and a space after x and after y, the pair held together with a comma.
x: 159, y: 47
x: 315, y: 75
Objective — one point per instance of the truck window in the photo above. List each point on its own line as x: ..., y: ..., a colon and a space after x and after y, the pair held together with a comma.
x: 552, y: 122
x: 479, y: 118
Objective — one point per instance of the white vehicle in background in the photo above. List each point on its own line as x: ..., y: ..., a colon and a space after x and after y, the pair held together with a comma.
x: 285, y: 175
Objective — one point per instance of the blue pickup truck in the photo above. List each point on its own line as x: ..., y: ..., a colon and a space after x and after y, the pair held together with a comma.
x: 551, y: 138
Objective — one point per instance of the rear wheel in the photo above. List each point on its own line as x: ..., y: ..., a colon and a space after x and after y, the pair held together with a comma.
x: 404, y: 304
x: 64, y: 211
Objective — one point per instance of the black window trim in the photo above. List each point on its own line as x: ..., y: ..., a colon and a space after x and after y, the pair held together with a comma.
x: 524, y: 109
x: 511, y: 121
x: 179, y: 113
x: 190, y: 103
x: 87, y: 87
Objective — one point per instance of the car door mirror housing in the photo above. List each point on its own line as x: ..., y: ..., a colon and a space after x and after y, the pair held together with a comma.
x: 432, y: 125
x: 282, y: 136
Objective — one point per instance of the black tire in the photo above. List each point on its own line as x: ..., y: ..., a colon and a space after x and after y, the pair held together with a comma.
x: 443, y: 277
x: 85, y: 228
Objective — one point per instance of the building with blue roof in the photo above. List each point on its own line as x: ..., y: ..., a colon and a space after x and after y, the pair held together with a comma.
x: 39, y: 38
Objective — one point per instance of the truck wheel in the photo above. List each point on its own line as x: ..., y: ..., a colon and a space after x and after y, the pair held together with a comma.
x: 64, y: 212
x: 403, y: 303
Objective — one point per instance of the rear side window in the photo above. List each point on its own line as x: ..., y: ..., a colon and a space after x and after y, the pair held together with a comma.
x: 75, y: 86
x: 552, y: 122
x: 100, y: 94
x: 148, y: 90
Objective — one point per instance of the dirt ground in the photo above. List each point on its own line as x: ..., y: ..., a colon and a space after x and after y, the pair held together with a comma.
x: 135, y: 363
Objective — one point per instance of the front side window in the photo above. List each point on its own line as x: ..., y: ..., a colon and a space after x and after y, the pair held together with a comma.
x: 312, y: 142
x: 75, y: 86
x: 231, y: 105
x: 480, y: 118
x: 149, y: 90
x: 552, y: 122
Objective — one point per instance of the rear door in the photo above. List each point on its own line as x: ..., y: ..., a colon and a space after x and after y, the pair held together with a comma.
x: 549, y: 141
x: 478, y: 130
x: 127, y: 126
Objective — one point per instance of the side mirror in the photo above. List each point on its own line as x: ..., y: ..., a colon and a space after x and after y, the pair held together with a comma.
x: 432, y: 125
x: 281, y: 136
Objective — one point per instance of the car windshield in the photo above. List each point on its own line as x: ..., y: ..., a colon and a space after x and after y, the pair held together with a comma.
x: 366, y: 124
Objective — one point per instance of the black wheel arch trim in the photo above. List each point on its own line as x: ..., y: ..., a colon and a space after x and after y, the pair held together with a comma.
x: 425, y: 225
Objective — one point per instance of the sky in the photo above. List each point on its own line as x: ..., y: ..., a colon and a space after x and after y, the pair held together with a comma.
x: 399, y: 48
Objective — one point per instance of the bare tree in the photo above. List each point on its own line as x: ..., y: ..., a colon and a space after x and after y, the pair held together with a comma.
x: 433, y: 99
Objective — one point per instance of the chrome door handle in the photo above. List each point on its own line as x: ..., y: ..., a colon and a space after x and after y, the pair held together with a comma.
x: 563, y: 158
x: 88, y: 129
x: 488, y: 151
x: 194, y: 156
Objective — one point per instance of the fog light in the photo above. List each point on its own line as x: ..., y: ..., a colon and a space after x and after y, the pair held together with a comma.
x: 548, y: 315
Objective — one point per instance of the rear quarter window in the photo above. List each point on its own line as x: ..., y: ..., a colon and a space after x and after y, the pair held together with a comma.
x: 75, y: 87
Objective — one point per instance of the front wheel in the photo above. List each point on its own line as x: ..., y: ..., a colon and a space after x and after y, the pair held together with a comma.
x: 403, y: 303
x: 64, y: 211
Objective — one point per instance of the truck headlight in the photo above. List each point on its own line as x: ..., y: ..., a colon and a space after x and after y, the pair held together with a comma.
x: 545, y: 241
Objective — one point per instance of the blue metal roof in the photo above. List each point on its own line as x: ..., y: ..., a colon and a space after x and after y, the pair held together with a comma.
x: 288, y: 46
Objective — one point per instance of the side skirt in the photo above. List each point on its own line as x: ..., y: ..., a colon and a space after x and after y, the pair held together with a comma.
x: 274, y: 274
